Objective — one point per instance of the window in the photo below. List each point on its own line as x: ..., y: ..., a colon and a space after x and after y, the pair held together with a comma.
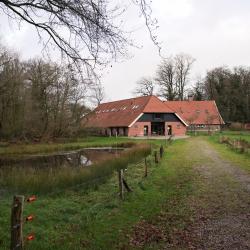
x: 135, y: 107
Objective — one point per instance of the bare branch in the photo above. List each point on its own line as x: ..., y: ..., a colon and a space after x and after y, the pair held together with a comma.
x: 84, y: 31
x: 145, y: 87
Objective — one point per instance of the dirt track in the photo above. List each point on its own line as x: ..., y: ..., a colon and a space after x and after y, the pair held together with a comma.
x: 221, y: 207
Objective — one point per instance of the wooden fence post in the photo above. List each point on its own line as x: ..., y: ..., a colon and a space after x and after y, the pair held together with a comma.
x: 234, y: 144
x: 16, y: 223
x: 161, y: 151
x: 125, y: 184
x: 156, y: 157
x: 146, y: 168
x: 121, y: 186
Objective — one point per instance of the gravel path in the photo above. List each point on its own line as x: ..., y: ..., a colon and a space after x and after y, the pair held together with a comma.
x: 221, y: 207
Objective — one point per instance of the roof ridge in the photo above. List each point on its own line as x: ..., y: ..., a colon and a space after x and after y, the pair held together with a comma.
x: 190, y: 101
x: 164, y: 102
x: 147, y: 103
x: 128, y: 99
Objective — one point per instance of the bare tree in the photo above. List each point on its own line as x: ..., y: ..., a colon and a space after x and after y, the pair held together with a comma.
x: 198, y: 90
x: 87, y: 32
x: 97, y: 94
x: 165, y: 78
x: 183, y: 64
x: 191, y: 122
x: 209, y: 119
x: 39, y: 99
x: 172, y: 76
x: 144, y: 87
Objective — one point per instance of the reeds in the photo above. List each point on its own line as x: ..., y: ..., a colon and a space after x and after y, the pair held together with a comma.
x: 49, y: 180
x: 19, y: 150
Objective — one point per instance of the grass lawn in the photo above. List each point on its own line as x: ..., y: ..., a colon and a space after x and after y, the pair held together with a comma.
x: 97, y: 219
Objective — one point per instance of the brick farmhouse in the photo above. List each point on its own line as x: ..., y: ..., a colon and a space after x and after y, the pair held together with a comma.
x: 149, y: 116
x: 200, y: 115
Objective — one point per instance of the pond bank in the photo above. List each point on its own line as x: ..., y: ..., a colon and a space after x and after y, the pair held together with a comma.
x: 45, y: 148
x: 77, y: 158
x: 42, y: 180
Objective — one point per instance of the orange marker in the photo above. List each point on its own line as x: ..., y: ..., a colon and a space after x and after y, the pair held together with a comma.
x: 29, y: 218
x: 30, y: 237
x: 31, y: 198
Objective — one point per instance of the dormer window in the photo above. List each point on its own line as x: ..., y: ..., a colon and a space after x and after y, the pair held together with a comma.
x: 135, y: 107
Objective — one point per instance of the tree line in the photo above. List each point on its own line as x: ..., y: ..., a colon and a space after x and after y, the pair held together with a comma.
x: 41, y: 99
x: 230, y: 88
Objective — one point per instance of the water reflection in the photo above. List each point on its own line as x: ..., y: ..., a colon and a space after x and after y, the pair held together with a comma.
x: 79, y: 158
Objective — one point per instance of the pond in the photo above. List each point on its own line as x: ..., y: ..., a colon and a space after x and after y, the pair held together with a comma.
x: 78, y: 158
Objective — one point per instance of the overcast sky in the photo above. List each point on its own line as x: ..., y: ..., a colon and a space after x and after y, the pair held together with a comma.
x: 214, y: 32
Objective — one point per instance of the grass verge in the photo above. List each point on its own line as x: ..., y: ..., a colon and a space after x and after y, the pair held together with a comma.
x: 240, y: 159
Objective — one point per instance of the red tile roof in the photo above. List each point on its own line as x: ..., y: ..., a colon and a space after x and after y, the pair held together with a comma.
x: 196, y: 112
x: 124, y: 112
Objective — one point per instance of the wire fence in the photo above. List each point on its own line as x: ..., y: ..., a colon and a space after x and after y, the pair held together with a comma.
x: 122, y: 184
x: 237, y: 144
x: 89, y: 183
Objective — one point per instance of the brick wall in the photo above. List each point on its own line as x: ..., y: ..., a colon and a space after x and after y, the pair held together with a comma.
x: 178, y: 128
x: 138, y: 129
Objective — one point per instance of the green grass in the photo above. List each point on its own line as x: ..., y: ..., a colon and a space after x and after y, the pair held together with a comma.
x: 39, y: 148
x: 237, y: 135
x: 240, y: 159
x: 97, y: 219
x: 232, y: 134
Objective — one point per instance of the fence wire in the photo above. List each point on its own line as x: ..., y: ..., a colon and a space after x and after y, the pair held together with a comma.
x: 83, y: 184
